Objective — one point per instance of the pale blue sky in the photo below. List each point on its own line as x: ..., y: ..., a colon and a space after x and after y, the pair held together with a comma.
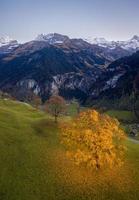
x: 112, y: 19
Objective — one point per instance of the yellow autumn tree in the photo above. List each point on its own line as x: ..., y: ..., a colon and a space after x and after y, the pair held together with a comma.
x: 94, y: 140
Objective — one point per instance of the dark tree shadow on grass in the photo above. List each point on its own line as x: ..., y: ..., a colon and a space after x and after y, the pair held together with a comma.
x: 45, y: 127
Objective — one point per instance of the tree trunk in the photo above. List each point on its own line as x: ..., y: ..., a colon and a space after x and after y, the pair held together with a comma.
x: 56, y: 118
x: 97, y: 163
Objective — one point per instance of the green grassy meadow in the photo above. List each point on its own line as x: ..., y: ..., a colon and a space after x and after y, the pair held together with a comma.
x: 124, y: 116
x: 127, y: 119
x: 34, y: 166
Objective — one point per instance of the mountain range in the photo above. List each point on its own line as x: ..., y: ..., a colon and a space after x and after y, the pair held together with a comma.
x: 130, y: 45
x: 80, y: 68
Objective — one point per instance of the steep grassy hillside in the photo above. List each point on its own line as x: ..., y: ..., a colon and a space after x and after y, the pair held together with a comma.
x: 33, y: 164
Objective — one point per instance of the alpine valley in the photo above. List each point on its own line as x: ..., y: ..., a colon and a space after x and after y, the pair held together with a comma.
x: 74, y: 68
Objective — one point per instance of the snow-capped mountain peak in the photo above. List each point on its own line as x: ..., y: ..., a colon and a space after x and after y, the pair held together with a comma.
x: 132, y: 43
x: 7, y: 44
x: 7, y: 41
x: 102, y: 40
x: 52, y: 38
x: 135, y: 37
x: 97, y: 40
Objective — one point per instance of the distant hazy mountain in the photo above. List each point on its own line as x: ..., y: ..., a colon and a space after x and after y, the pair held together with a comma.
x: 131, y: 45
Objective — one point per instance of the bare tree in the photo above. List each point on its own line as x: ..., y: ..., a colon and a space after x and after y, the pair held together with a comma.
x: 56, y: 105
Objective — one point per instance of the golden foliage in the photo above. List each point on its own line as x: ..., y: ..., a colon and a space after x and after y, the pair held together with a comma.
x: 94, y: 140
